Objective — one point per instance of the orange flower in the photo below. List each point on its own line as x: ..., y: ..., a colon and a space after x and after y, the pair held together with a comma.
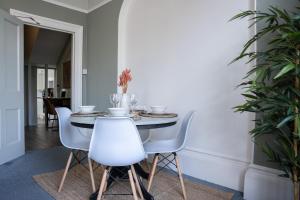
x: 124, y: 78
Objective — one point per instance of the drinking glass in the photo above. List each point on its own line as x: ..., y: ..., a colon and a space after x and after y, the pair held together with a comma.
x: 114, y: 99
x: 133, y: 101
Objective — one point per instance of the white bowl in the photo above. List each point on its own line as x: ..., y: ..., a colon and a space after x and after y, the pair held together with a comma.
x: 158, y: 109
x: 118, y: 112
x: 87, y: 109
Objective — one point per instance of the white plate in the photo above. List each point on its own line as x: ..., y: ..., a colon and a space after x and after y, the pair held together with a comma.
x: 84, y: 113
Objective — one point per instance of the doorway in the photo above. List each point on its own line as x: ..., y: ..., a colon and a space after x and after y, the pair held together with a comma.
x: 77, y: 47
x: 75, y: 65
x: 46, y: 86
x: 12, y: 78
x: 47, y: 59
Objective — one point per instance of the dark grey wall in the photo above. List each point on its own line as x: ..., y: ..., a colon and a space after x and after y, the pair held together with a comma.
x: 263, y: 5
x: 103, y: 53
x: 45, y: 9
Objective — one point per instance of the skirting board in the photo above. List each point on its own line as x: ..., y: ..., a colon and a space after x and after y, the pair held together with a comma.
x: 262, y: 183
x: 226, y: 172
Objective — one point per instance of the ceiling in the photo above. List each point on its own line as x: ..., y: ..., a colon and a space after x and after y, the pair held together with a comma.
x: 84, y: 6
x: 43, y: 46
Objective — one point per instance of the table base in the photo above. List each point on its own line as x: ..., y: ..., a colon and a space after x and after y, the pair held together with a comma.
x: 118, y: 172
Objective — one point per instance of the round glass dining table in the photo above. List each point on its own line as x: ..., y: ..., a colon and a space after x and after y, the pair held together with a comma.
x: 142, y: 123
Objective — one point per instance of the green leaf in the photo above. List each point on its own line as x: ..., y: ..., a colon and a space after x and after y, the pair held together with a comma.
x: 285, y: 120
x: 243, y: 15
x: 285, y: 70
x: 250, y: 96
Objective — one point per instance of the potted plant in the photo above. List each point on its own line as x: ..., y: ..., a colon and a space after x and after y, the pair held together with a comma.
x: 272, y: 87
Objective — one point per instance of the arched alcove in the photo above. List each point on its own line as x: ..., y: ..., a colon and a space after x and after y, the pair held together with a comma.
x: 178, y: 53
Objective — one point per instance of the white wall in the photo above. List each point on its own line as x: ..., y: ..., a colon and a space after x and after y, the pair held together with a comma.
x: 178, y: 52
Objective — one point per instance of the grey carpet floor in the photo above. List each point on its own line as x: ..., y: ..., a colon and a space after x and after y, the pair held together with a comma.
x: 16, y: 180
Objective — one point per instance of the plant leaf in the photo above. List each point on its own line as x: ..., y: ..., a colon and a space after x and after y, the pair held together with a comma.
x: 285, y: 70
x: 285, y: 120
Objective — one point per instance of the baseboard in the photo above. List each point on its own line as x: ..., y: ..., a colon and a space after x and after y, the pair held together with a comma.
x: 223, y: 171
x: 262, y: 183
x: 256, y: 182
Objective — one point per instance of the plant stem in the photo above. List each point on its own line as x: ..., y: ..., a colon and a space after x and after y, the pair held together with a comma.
x: 124, y: 89
x: 295, y: 146
x: 296, y: 139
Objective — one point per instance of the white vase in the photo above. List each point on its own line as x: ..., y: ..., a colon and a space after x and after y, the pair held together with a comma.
x: 125, y: 102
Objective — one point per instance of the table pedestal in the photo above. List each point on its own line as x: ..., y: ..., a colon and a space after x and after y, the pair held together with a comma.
x: 121, y: 172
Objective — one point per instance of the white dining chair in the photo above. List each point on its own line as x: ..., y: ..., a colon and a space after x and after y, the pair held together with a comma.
x: 170, y: 147
x: 115, y: 143
x: 71, y: 138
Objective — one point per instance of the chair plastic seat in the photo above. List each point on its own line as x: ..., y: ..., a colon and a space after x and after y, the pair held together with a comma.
x: 116, y: 142
x: 83, y: 145
x: 161, y: 146
x: 156, y: 146
x: 153, y: 146
x: 70, y: 136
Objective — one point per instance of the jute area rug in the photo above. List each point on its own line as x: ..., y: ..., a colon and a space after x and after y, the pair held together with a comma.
x: 166, y: 186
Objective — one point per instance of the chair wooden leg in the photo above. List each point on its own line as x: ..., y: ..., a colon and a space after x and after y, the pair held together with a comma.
x: 65, y: 172
x: 137, y: 182
x: 92, y: 175
x: 132, y: 185
x: 151, y: 176
x: 102, y: 184
x: 108, y: 174
x: 180, y: 178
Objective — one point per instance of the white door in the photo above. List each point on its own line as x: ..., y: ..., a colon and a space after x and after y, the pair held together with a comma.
x: 11, y: 88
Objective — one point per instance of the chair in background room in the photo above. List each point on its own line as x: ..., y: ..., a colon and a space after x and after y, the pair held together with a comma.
x: 116, y: 143
x: 167, y: 151
x: 51, y: 115
x: 71, y: 138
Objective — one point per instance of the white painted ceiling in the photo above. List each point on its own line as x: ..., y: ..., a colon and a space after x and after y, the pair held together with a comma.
x: 85, y: 6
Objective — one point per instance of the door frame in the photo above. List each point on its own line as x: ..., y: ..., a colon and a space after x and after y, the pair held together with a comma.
x: 77, y: 48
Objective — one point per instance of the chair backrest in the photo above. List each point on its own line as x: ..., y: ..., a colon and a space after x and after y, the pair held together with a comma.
x: 116, y: 142
x: 184, y: 130
x: 69, y: 135
x: 49, y: 106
